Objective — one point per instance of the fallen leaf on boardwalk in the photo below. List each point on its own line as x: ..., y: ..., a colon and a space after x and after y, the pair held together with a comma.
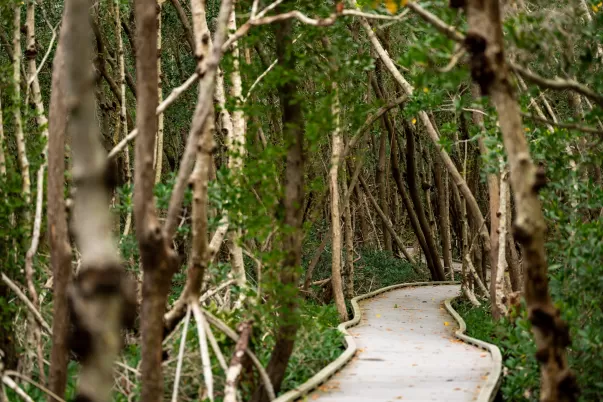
x: 483, y: 355
x: 314, y: 396
x: 398, y: 397
x: 414, y: 364
x: 484, y: 377
x: 388, y: 329
x: 446, y: 323
x: 457, y: 389
x: 378, y: 315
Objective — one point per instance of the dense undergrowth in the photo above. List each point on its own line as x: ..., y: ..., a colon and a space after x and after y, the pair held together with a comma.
x: 520, y: 368
x: 317, y: 342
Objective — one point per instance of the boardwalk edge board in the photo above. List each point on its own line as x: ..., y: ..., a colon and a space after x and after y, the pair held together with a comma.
x: 329, y: 370
x: 489, y: 390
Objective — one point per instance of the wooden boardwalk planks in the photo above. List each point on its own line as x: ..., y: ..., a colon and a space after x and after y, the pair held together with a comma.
x: 407, y: 351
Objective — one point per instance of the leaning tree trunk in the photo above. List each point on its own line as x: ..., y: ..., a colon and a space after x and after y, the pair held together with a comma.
x: 438, y: 274
x: 489, y: 69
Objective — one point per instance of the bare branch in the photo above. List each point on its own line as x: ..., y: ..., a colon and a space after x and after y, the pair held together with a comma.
x: 27, y: 302
x: 187, y: 319
x: 172, y: 97
x: 207, y: 374
x: 13, y: 385
x: 557, y: 83
x: 34, y: 383
x: 236, y: 362
x: 569, y: 126
x: 235, y: 337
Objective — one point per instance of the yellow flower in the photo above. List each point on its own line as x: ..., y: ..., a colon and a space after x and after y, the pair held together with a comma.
x: 392, y: 6
x: 595, y: 8
x: 426, y: 90
x: 414, y: 121
x: 526, y: 130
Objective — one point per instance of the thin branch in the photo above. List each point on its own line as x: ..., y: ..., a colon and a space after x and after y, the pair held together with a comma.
x: 13, y: 385
x: 569, y: 126
x: 48, y: 51
x: 28, y: 303
x: 187, y: 319
x: 361, y: 132
x: 173, y: 96
x: 554, y: 83
x: 557, y: 83
x: 207, y: 374
x: 34, y: 383
x: 214, y: 345
x: 235, y: 337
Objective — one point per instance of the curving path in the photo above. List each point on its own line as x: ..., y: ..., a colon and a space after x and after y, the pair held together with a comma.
x: 407, y: 351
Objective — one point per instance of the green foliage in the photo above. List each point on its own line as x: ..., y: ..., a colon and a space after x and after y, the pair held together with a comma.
x: 520, y: 371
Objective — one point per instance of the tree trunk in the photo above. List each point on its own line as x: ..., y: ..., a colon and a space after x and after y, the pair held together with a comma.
x: 101, y: 286
x: 441, y: 183
x: 20, y: 138
x: 157, y: 256
x: 293, y: 133
x: 60, y: 249
x: 159, y: 144
x: 488, y: 67
x: 349, y: 243
x: 337, y: 149
x: 498, y: 280
x: 380, y: 179
x: 415, y: 196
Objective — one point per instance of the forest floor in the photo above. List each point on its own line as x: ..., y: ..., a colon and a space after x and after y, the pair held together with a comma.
x: 407, y: 351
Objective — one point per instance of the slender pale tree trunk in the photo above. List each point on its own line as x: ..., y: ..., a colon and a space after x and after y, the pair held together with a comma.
x: 42, y: 122
x: 101, y: 287
x: 349, y: 243
x: 21, y: 149
x: 441, y: 183
x: 515, y: 270
x: 484, y: 41
x: 2, y: 157
x: 337, y: 149
x: 494, y: 202
x: 159, y: 143
x: 123, y: 108
x: 498, y: 281
x: 236, y: 158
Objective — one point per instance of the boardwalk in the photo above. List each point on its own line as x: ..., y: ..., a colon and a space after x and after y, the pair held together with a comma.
x: 406, y: 351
